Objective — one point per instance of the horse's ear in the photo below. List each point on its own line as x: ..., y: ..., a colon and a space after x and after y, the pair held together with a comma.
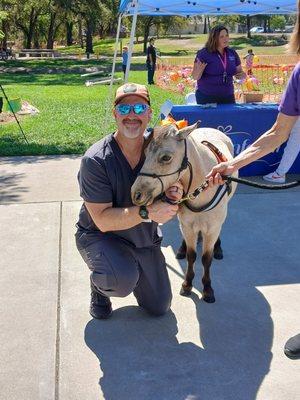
x: 184, y: 132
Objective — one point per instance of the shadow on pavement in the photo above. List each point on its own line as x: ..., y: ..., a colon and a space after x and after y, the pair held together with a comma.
x: 19, y: 160
x: 142, y: 359
x: 10, y: 189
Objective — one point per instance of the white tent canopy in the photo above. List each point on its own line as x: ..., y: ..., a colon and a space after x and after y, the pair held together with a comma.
x: 208, y: 7
x: 187, y: 8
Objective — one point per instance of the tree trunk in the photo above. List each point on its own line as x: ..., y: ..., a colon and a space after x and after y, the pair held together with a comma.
x: 89, y: 37
x: 80, y: 34
x: 31, y: 28
x: 69, y: 28
x: 248, y: 23
x: 205, y: 25
x: 265, y: 25
x: 146, y: 33
x: 5, y: 31
x: 36, y: 40
x: 51, y: 30
x: 29, y: 35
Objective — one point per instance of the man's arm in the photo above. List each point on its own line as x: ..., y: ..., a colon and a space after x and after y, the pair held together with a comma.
x: 108, y: 218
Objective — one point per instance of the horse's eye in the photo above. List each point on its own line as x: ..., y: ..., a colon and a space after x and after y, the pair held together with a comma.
x: 165, y: 158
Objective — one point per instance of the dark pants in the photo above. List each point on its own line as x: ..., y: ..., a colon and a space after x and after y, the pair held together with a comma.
x: 151, y: 70
x: 202, y: 98
x: 119, y: 269
x: 124, y: 68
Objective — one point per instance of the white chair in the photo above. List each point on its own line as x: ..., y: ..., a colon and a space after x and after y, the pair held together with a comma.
x: 190, y: 98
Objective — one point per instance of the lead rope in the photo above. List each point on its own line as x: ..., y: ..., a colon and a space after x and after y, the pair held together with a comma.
x: 261, y: 185
x: 228, y: 179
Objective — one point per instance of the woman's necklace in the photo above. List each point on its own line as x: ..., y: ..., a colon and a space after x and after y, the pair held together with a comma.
x: 224, y: 63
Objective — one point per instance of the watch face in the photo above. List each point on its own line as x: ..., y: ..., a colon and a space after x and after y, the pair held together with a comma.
x: 143, y: 212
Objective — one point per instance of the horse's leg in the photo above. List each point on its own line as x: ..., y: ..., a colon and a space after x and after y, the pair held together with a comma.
x: 181, y: 252
x: 191, y: 243
x: 207, y: 256
x: 218, y: 252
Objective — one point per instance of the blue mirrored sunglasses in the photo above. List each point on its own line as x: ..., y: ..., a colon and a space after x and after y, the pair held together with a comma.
x: 138, y: 108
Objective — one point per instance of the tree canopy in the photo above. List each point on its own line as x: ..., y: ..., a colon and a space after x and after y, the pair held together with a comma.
x: 43, y: 23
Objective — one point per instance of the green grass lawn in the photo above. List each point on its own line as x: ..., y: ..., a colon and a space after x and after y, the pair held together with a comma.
x: 168, y: 46
x: 72, y: 116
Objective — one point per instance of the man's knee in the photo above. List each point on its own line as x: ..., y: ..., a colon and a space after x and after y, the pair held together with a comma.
x: 117, y: 284
x: 157, y: 305
x: 158, y: 310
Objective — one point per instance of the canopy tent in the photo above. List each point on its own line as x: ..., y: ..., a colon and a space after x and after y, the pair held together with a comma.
x: 187, y: 8
x: 208, y: 7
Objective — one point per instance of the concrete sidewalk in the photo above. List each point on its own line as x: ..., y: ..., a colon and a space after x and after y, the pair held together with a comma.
x: 229, y: 350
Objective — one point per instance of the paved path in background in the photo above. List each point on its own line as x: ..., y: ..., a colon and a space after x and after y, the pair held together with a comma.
x: 229, y: 350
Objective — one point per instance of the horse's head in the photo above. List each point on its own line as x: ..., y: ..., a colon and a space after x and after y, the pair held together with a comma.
x: 165, y: 159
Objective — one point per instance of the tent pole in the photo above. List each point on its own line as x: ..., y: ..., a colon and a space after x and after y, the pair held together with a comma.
x: 132, y: 33
x: 108, y: 102
x: 115, y: 53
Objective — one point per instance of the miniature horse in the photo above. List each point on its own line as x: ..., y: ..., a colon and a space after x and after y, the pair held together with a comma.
x: 188, y: 155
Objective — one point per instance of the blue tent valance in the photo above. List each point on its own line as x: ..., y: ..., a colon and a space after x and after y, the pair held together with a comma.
x: 208, y: 7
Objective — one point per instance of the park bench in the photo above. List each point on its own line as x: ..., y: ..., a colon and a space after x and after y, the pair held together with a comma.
x: 37, y: 53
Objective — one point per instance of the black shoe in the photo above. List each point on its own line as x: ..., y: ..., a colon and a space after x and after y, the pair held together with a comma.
x: 292, y: 347
x: 100, y: 306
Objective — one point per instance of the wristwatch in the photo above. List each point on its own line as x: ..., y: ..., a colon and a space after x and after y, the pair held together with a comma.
x: 143, y: 212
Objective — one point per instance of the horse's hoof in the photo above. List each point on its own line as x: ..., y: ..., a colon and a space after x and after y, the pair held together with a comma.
x: 218, y: 254
x: 208, y: 297
x: 180, y: 255
x: 185, y: 291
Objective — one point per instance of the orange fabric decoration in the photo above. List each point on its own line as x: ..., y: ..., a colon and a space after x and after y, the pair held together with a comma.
x: 170, y: 120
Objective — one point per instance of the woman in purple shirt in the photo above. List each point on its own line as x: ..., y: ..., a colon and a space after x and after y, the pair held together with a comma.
x: 289, y: 112
x: 214, y: 68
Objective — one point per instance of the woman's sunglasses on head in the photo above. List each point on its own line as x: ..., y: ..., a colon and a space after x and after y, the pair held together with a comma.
x: 125, y: 109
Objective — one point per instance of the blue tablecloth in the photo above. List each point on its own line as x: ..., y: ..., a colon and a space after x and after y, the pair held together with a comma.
x: 244, y: 123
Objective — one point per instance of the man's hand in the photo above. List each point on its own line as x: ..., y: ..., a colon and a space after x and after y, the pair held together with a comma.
x: 162, y: 212
x: 215, y: 175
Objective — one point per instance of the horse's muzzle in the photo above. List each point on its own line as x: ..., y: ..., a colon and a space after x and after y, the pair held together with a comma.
x: 140, y: 198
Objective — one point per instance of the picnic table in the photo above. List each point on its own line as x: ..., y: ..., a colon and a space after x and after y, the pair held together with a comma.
x: 37, y: 53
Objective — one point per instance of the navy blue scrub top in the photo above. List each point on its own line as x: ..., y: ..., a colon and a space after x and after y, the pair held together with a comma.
x: 105, y: 176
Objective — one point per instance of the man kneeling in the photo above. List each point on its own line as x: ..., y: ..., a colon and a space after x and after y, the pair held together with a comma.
x: 118, y: 241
